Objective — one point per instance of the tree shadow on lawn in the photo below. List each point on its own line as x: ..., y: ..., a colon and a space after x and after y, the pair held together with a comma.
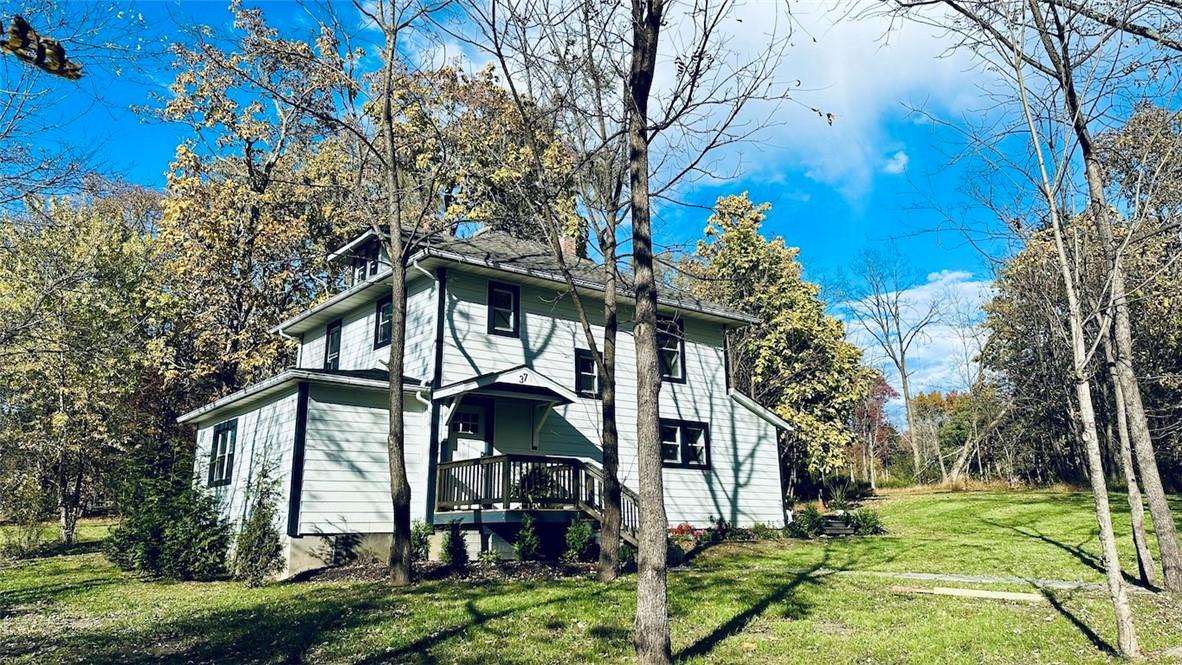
x: 279, y: 630
x: 814, y: 574
x: 1083, y: 556
x: 1097, y: 641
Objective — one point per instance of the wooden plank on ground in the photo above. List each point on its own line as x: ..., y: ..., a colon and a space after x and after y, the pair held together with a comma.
x: 972, y: 593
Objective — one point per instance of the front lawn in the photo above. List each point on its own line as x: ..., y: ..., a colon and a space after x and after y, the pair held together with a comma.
x: 764, y: 602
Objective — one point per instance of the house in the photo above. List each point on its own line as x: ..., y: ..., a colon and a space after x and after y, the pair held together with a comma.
x: 501, y: 407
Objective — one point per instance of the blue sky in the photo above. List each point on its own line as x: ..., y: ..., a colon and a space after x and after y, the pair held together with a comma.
x: 880, y: 177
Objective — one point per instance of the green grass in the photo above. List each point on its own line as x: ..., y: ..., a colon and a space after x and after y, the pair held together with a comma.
x: 736, y: 603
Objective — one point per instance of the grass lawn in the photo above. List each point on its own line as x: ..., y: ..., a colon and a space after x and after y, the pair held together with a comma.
x: 770, y: 602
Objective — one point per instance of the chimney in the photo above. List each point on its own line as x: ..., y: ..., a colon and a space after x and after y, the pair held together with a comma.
x: 570, y: 246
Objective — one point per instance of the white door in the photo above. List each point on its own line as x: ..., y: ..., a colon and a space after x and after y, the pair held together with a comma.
x: 467, y: 434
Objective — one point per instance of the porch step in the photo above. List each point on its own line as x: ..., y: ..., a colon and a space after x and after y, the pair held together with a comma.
x: 835, y: 527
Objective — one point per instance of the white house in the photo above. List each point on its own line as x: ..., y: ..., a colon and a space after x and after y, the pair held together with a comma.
x: 501, y: 407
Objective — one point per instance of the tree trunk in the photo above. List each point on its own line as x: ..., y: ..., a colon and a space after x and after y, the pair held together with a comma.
x: 1138, y: 424
x: 916, y: 455
x: 1145, y: 564
x: 1126, y: 634
x: 399, y: 561
x: 609, y: 532
x: 652, y: 604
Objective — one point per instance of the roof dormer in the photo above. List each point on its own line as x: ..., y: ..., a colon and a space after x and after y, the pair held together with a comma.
x: 366, y: 257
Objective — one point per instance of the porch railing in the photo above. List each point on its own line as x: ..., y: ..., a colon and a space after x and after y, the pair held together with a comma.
x: 531, y: 482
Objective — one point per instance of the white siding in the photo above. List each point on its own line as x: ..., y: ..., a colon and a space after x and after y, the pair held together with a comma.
x: 357, y: 335
x: 266, y: 433
x: 744, y: 483
x: 346, y: 485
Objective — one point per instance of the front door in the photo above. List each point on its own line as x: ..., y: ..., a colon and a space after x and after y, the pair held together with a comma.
x: 468, y: 436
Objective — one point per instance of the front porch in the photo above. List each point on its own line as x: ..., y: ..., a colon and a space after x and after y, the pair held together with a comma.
x: 502, y: 488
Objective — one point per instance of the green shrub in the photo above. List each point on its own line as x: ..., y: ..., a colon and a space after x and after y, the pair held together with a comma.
x: 420, y: 540
x: 580, y: 542
x: 455, y: 549
x: 761, y: 531
x: 528, y: 545
x: 170, y: 531
x: 864, y: 522
x: 488, y: 558
x: 806, y: 523
x: 627, y: 557
x: 674, y: 553
x: 258, y: 552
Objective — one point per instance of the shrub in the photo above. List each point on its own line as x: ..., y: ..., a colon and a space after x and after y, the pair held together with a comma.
x: 683, y: 530
x: 864, y: 522
x: 806, y: 523
x: 455, y: 549
x: 258, y: 552
x: 627, y: 557
x: 718, y: 531
x: 23, y: 503
x: 528, y: 545
x: 170, y: 532
x: 420, y: 540
x: 761, y: 531
x: 674, y: 553
x: 580, y: 542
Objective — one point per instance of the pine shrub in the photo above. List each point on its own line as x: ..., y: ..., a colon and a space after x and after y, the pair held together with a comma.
x: 580, y: 542
x: 528, y: 545
x: 455, y: 549
x: 420, y: 540
x: 258, y: 552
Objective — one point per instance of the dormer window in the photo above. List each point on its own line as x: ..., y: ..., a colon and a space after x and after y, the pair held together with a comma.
x: 504, y: 309
x: 332, y: 346
x: 366, y: 261
x: 671, y: 347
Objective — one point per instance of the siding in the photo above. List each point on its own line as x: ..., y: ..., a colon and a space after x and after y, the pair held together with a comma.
x: 346, y: 486
x: 265, y: 436
x: 744, y: 484
x: 357, y: 335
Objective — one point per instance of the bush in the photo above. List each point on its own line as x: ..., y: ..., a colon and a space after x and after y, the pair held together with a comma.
x: 761, y: 531
x: 806, y: 523
x: 420, y: 540
x: 23, y: 504
x: 864, y: 522
x: 455, y: 549
x: 528, y: 545
x: 258, y: 552
x: 580, y: 542
x: 488, y: 558
x: 718, y: 531
x: 627, y: 557
x: 170, y: 532
x: 674, y: 553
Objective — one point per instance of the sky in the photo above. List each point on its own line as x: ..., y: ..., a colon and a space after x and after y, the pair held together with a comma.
x: 882, y: 176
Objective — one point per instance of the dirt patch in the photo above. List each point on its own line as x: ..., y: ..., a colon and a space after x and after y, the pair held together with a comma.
x: 504, y: 571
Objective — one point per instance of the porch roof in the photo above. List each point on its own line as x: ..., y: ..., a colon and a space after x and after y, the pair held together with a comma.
x: 521, y: 382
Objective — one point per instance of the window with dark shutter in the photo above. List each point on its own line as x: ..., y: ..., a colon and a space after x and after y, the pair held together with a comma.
x: 332, y: 346
x: 221, y: 453
x: 586, y: 374
x: 685, y: 444
x: 504, y: 309
x: 383, y: 322
x: 671, y: 347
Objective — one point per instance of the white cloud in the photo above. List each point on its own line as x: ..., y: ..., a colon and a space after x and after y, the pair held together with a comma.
x: 896, y: 164
x: 941, y: 358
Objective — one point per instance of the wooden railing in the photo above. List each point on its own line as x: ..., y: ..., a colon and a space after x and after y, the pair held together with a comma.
x: 531, y: 482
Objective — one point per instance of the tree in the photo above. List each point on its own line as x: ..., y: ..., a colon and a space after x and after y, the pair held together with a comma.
x: 885, y: 310
x: 874, y: 431
x: 81, y: 276
x: 796, y: 360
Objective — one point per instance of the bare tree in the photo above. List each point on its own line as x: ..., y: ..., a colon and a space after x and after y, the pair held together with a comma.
x: 883, y: 309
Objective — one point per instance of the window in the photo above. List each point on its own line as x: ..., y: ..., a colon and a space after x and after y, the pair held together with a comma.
x: 332, y: 346
x: 221, y: 453
x: 383, y: 323
x: 466, y: 422
x: 586, y: 374
x: 671, y: 347
x: 504, y: 309
x: 366, y: 262
x: 685, y: 444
